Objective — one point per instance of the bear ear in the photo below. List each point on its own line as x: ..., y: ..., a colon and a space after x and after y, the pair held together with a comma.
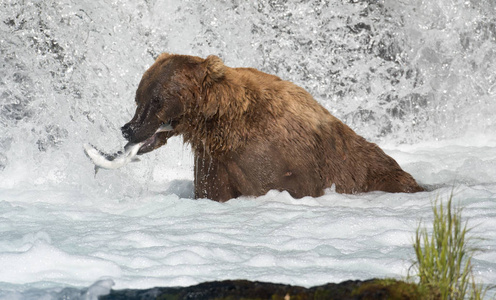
x: 215, y: 68
x: 163, y: 56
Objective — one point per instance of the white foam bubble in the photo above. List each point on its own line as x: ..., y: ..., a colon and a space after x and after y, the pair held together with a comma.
x: 46, y: 263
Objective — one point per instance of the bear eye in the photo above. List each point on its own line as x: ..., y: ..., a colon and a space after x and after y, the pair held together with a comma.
x: 156, y: 101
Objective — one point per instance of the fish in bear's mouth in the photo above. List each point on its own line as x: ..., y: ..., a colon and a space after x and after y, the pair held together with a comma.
x: 131, y: 150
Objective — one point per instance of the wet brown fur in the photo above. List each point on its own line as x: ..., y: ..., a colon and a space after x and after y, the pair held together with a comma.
x: 252, y: 132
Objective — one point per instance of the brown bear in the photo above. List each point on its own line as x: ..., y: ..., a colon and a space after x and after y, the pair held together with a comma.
x: 252, y: 132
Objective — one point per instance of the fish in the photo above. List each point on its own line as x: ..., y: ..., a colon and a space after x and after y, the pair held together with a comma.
x: 102, y: 160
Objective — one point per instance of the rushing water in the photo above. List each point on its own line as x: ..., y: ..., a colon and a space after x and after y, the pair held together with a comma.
x: 416, y: 77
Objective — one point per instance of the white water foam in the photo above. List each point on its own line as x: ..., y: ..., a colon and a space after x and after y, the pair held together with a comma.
x: 56, y: 238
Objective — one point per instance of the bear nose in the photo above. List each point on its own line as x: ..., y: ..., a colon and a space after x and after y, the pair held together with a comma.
x: 127, y: 131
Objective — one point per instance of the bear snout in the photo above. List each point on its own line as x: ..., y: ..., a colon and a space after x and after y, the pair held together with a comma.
x: 127, y: 132
x: 137, y: 133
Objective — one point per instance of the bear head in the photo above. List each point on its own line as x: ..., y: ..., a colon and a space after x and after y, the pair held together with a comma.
x: 168, y: 90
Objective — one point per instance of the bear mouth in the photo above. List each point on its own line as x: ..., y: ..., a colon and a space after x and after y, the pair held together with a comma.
x: 150, y: 143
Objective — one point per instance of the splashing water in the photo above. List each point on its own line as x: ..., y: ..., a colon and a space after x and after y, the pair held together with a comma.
x: 416, y: 77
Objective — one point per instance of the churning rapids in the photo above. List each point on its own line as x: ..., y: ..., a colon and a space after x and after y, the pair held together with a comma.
x: 416, y: 77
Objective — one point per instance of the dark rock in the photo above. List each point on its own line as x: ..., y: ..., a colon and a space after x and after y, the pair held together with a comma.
x: 243, y: 289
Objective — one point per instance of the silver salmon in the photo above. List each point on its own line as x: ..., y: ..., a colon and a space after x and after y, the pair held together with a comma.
x: 113, y: 161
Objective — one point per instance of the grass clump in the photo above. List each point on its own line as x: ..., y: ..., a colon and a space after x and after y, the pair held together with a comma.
x: 444, y: 258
